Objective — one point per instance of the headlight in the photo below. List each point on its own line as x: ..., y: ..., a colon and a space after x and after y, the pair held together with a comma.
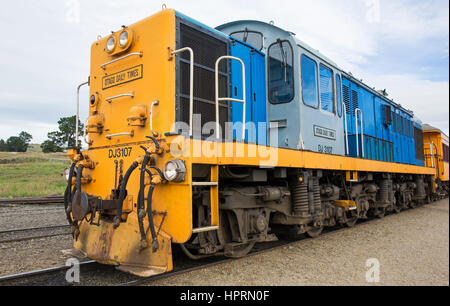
x: 66, y: 174
x: 123, y: 39
x: 175, y: 171
x: 110, y: 44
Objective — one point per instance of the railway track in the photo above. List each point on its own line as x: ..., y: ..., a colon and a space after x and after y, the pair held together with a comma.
x: 56, y: 275
x: 36, y: 200
x: 17, y: 235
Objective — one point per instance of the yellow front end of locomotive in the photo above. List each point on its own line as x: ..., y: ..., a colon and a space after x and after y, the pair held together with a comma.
x: 132, y: 84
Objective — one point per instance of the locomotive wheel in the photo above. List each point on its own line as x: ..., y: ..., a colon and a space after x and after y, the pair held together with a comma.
x: 397, y: 208
x: 380, y: 213
x: 352, y: 218
x: 225, y: 237
x: 314, y: 233
x: 242, y: 251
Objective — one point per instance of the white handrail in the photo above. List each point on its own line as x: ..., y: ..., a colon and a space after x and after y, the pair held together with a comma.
x: 119, y: 134
x: 344, y: 112
x: 432, y: 154
x: 357, y: 133
x: 230, y: 99
x: 121, y: 58
x: 151, y: 118
x: 191, y: 87
x: 85, y: 132
x: 130, y: 94
x: 78, y: 112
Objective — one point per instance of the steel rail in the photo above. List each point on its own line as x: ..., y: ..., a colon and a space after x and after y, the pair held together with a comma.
x: 40, y: 272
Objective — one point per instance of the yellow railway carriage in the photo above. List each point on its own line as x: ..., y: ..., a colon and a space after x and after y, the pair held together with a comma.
x: 436, y: 147
x: 150, y: 181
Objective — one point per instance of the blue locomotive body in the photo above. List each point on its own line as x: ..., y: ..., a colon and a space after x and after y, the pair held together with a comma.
x: 296, y: 98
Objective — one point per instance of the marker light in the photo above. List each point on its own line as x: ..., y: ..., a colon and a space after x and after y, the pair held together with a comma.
x: 110, y: 44
x: 175, y: 171
x: 123, y: 39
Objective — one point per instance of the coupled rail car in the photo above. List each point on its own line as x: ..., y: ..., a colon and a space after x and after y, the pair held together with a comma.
x: 217, y: 139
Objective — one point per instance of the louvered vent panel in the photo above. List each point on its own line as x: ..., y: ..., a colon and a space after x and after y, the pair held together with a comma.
x: 355, y: 102
x: 346, y: 98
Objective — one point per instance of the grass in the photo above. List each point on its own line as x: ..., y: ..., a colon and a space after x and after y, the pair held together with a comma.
x: 32, y: 174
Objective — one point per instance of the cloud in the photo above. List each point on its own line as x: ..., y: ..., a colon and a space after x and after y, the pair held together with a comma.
x: 399, y: 45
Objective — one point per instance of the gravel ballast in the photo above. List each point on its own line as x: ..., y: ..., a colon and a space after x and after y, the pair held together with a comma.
x: 412, y: 248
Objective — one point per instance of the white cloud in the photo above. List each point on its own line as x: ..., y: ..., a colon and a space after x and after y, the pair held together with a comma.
x: 46, y: 56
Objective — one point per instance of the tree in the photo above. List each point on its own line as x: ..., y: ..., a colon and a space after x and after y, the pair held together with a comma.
x: 49, y: 146
x: 19, y: 144
x: 3, y: 146
x: 65, y: 137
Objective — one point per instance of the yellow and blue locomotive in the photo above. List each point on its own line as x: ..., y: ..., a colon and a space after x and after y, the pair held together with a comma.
x: 216, y: 139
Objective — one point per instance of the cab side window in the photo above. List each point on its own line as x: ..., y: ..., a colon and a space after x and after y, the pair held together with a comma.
x: 281, y: 73
x: 309, y: 82
x: 326, y: 89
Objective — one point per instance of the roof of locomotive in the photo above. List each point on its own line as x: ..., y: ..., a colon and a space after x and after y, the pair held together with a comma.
x: 430, y: 128
x: 272, y: 28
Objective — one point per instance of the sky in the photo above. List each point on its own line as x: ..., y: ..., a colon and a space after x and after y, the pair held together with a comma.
x: 401, y: 46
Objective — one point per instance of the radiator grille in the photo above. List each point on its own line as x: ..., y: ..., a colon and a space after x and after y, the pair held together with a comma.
x: 207, y: 49
x: 418, y: 137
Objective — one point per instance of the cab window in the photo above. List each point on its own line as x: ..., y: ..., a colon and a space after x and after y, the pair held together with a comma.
x: 250, y: 37
x: 326, y: 89
x: 281, y: 73
x: 309, y: 82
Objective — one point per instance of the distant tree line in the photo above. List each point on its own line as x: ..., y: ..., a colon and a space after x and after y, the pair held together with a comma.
x: 57, y: 141
x: 64, y: 137
x: 16, y: 144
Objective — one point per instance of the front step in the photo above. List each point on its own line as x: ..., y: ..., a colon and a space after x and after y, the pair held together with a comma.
x: 214, y: 187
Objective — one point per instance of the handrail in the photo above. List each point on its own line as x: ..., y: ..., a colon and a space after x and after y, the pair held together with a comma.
x: 191, y: 87
x: 357, y: 132
x: 121, y: 58
x: 151, y: 117
x: 120, y: 134
x: 130, y: 94
x: 344, y: 111
x: 230, y: 99
x: 78, y: 112
x: 85, y: 132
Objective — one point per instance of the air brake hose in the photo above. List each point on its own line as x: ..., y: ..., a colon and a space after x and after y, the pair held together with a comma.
x: 79, y: 176
x: 155, y: 243
x: 68, y: 193
x: 158, y: 146
x: 141, y: 198
x: 123, y: 189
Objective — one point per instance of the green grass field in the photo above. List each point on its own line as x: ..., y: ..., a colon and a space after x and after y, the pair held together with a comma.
x: 32, y: 174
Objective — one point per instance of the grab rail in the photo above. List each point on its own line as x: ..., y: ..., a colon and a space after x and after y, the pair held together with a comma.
x: 121, y: 58
x: 120, y: 134
x: 78, y: 112
x: 191, y: 87
x: 130, y: 94
x: 85, y: 132
x: 151, y: 118
x: 357, y: 133
x: 230, y: 99
x: 344, y: 111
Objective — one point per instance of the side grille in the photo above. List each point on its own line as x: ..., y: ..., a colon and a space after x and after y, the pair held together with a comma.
x: 207, y: 49
x: 355, y: 102
x: 418, y: 137
x: 346, y: 98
